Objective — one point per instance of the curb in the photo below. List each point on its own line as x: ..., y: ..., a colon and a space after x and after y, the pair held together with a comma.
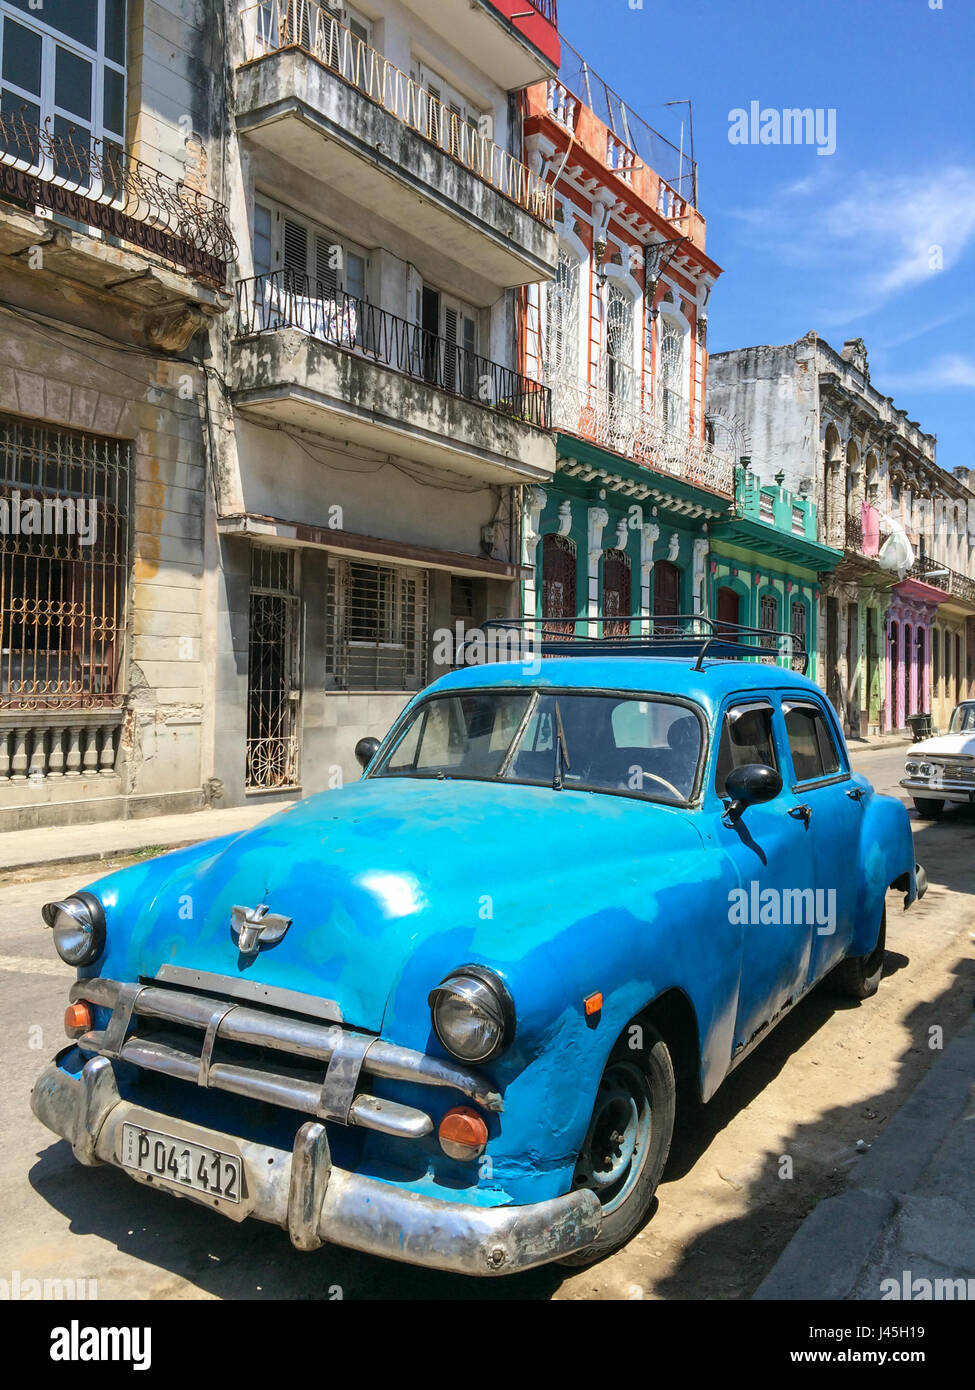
x: 825, y: 1257
x: 95, y: 856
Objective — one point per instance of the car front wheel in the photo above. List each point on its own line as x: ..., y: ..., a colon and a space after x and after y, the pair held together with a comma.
x: 626, y: 1146
x: 929, y: 807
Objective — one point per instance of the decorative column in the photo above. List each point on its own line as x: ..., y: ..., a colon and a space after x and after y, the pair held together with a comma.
x: 649, y: 535
x: 106, y: 760
x: 701, y: 547
x: 598, y: 520
x: 55, y: 758
x: 18, y: 763
x: 73, y: 766
x: 535, y: 501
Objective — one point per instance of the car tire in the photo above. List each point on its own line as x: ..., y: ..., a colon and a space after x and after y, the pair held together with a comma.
x: 858, y: 977
x: 929, y: 807
x: 638, y: 1087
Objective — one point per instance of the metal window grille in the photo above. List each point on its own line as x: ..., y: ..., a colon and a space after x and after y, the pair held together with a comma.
x: 562, y: 329
x: 274, y: 670
x: 799, y: 623
x: 619, y: 348
x: 64, y: 503
x: 672, y: 399
x: 769, y: 620
x: 378, y: 626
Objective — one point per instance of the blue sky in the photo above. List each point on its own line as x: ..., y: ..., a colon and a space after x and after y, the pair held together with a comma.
x: 838, y: 243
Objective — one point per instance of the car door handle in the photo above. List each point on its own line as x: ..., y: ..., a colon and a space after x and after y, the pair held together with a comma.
x: 802, y: 813
x: 856, y: 793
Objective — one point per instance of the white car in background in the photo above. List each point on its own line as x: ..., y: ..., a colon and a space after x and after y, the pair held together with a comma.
x: 942, y: 769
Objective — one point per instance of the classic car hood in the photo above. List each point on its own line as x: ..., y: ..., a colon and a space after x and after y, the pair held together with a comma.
x: 946, y: 745
x: 375, y: 872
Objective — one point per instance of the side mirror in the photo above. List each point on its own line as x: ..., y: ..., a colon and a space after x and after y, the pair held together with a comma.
x: 365, y: 750
x: 751, y: 785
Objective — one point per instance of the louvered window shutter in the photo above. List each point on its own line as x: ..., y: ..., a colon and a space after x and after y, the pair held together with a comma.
x: 327, y: 261
x: 451, y: 354
x: 295, y: 256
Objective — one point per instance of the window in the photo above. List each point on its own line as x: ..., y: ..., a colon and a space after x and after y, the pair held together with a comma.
x: 450, y: 120
x: 558, y: 583
x: 666, y: 590
x: 768, y: 620
x: 562, y: 326
x: 307, y: 278
x: 377, y: 626
x: 619, y: 347
x: 616, y: 592
x: 63, y: 565
x: 813, y: 751
x: 745, y: 738
x: 63, y: 63
x: 799, y: 623
x: 673, y: 386
x: 643, y: 746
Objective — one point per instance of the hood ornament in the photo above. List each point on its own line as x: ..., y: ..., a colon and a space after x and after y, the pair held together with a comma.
x: 255, y: 927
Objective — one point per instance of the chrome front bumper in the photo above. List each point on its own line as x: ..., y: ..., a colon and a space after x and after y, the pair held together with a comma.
x: 944, y: 791
x: 315, y: 1202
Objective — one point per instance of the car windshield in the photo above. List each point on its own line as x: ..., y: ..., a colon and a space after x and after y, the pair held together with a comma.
x: 963, y: 720
x: 641, y: 745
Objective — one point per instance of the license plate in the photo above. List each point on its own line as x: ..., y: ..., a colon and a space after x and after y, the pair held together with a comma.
x: 166, y: 1158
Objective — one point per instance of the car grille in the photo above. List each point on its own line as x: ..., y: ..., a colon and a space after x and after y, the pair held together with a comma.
x: 268, y: 1055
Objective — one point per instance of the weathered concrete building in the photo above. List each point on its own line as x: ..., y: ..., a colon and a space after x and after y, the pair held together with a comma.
x: 261, y: 267
x: 114, y: 257
x: 371, y: 422
x: 812, y: 415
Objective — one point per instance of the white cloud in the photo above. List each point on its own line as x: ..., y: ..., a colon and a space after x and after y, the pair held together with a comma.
x: 952, y: 371
x: 871, y: 236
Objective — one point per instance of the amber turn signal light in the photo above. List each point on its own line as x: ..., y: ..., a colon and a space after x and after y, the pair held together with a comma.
x: 77, y: 1019
x: 593, y: 1004
x: 463, y: 1134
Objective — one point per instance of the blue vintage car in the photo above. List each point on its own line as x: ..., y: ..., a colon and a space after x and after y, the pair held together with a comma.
x: 442, y: 1015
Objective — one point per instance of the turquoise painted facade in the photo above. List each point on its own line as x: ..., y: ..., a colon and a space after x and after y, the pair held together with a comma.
x: 612, y: 516
x: 767, y: 554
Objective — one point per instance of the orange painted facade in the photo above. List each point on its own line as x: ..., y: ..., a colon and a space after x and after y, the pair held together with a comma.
x: 612, y: 206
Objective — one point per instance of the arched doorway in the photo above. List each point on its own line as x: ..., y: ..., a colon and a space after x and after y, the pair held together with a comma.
x: 558, y: 583
x: 909, y: 706
x: 919, y: 700
x: 616, y: 592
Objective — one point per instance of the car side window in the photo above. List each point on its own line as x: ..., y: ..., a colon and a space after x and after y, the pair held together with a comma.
x: 814, y: 752
x: 746, y: 737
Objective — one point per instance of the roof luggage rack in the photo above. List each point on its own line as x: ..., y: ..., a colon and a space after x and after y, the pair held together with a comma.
x: 637, y: 634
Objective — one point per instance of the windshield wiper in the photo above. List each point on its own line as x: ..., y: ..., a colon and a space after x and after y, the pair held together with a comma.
x: 561, y: 751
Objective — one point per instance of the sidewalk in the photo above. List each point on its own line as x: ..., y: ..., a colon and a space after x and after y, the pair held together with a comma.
x: 909, y: 1219
x: 878, y: 741
x: 54, y: 845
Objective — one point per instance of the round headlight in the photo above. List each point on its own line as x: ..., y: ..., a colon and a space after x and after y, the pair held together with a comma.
x: 78, y: 925
x: 473, y: 1014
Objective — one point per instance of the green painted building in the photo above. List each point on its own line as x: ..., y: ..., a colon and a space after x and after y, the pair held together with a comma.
x: 765, y: 562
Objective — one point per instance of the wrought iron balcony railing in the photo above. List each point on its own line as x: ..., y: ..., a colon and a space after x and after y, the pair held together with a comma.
x: 658, y: 438
x: 854, y: 534
x: 283, y: 299
x: 98, y: 185
x: 933, y: 572
x: 274, y: 25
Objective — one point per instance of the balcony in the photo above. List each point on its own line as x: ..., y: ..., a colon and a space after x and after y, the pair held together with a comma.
x: 955, y: 585
x: 346, y: 368
x: 87, y: 203
x: 646, y: 436
x: 515, y: 42
x: 470, y: 216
